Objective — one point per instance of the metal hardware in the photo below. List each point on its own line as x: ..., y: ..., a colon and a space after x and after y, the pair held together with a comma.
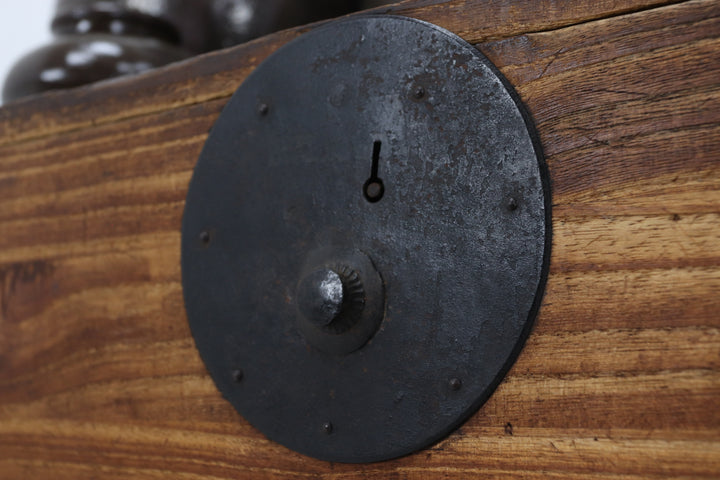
x: 366, y: 236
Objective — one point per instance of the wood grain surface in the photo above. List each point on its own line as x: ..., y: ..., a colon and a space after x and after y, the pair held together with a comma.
x: 620, y: 379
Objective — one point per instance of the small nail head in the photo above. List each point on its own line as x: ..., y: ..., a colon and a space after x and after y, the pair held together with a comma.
x: 205, y: 237
x: 419, y: 92
x: 263, y: 109
x: 238, y: 375
x: 512, y: 204
x: 327, y: 427
x: 455, y: 384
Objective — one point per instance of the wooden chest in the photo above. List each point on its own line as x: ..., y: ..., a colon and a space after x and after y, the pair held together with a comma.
x: 620, y: 378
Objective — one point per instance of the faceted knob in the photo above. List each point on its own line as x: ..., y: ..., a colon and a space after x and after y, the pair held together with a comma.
x: 320, y: 297
x: 331, y: 299
x: 339, y: 300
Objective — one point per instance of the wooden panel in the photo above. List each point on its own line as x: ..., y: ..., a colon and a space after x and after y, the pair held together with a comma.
x: 620, y: 379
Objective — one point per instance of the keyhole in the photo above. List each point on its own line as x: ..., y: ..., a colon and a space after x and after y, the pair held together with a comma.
x: 374, y: 188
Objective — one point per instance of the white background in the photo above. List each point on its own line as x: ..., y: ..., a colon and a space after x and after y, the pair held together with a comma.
x: 24, y: 25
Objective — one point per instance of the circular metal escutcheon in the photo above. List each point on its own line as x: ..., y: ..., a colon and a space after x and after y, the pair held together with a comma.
x: 366, y: 239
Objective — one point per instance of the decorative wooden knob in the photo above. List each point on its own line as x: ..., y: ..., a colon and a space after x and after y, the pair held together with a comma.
x: 95, y: 40
x: 99, y: 39
x: 237, y: 21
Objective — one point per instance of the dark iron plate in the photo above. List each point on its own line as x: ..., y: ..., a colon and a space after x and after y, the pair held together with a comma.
x: 393, y: 140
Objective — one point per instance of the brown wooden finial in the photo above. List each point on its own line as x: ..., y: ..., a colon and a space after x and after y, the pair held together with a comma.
x: 94, y: 40
x: 237, y: 21
x: 99, y: 39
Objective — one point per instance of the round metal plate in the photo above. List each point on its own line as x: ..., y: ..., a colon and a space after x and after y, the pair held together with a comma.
x: 458, y: 234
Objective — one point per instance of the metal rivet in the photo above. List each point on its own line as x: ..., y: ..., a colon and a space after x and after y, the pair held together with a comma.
x: 205, y: 237
x: 327, y: 427
x: 455, y: 384
x: 512, y: 205
x: 263, y: 109
x: 418, y: 92
x: 238, y: 375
